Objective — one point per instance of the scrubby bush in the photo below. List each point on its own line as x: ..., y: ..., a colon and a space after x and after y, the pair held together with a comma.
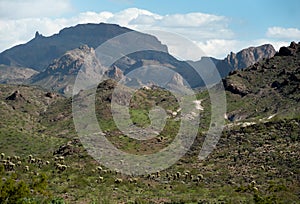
x: 13, y: 191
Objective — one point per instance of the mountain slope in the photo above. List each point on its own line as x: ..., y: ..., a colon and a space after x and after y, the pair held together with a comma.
x: 269, y: 87
x: 255, y: 164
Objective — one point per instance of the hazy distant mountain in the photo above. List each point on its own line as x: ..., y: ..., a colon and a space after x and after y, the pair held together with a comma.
x: 61, y: 73
x: 156, y: 68
x: 15, y: 75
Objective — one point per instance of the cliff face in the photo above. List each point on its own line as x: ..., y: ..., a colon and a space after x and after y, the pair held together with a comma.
x: 244, y: 58
x: 249, y: 56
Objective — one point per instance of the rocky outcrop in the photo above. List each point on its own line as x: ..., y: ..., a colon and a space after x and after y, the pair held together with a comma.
x: 236, y: 87
x: 249, y: 56
x: 15, y: 96
x: 71, y: 61
x: 60, y: 75
x: 268, y: 87
x: 235, y: 61
x: 176, y: 80
x: 244, y: 58
x: 289, y: 51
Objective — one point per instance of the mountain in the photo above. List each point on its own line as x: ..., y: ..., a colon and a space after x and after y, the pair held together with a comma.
x: 58, y: 60
x: 39, y: 52
x: 60, y: 75
x: 270, y: 87
x: 249, y: 56
x: 153, y: 66
x: 240, y: 60
x: 146, y: 66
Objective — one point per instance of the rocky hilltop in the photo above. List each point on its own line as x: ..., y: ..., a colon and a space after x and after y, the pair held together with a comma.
x: 272, y: 85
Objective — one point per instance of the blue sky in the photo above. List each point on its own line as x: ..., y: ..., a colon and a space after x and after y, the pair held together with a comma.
x: 250, y: 18
x: 217, y: 26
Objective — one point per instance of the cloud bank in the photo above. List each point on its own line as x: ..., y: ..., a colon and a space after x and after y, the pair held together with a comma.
x: 283, y: 33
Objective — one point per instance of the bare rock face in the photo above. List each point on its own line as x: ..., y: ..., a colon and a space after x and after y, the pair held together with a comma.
x: 60, y: 75
x: 240, y: 60
x: 249, y: 56
x: 176, y: 80
x: 71, y: 61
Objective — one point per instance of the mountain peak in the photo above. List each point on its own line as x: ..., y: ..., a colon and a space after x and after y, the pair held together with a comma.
x: 38, y: 35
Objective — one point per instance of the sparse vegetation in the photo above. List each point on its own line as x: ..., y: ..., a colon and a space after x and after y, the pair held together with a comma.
x: 255, y: 161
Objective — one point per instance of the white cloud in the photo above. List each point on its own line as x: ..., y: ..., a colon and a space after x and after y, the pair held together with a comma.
x: 16, y: 9
x: 128, y: 16
x: 192, y: 20
x: 284, y: 33
x: 219, y: 48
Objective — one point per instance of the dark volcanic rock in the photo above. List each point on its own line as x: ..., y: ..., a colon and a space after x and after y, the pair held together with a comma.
x: 236, y: 88
x: 288, y: 51
x: 15, y: 96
